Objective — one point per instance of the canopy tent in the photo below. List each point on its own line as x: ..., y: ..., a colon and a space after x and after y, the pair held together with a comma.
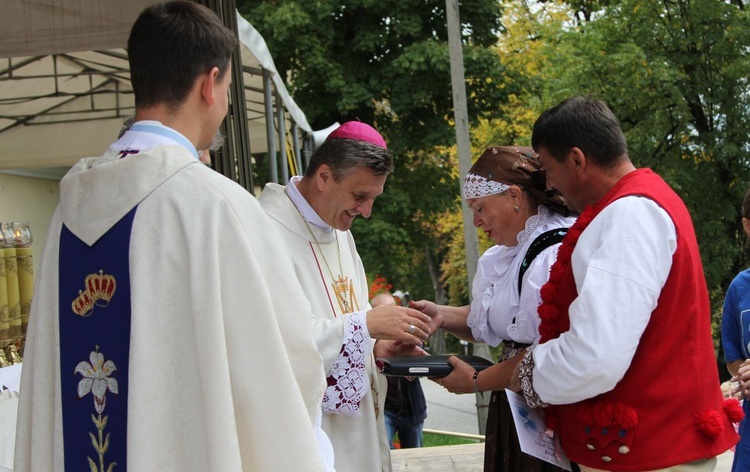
x: 65, y: 84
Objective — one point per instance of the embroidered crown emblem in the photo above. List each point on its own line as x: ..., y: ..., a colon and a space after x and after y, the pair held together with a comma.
x: 83, y: 304
x: 100, y: 288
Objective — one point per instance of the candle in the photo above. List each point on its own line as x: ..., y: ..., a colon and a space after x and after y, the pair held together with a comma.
x: 25, y: 261
x: 15, y: 327
x: 3, y: 360
x: 11, y: 279
x: 3, y: 289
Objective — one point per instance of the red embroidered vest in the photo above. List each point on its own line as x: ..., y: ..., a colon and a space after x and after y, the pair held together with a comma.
x: 668, y: 408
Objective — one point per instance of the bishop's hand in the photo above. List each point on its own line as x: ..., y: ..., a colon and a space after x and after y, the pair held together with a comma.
x: 398, y: 324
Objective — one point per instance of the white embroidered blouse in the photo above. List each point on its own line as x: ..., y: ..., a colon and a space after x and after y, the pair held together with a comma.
x: 498, y: 311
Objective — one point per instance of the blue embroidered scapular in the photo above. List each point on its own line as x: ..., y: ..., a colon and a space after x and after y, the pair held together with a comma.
x: 94, y: 296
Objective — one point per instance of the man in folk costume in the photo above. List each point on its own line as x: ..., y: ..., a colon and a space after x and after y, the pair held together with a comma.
x: 314, y: 212
x: 165, y: 331
x: 625, y: 314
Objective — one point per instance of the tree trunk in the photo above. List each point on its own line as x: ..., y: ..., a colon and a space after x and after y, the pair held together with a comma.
x: 437, y: 339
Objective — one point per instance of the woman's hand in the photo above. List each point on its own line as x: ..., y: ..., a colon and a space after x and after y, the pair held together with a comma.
x: 430, y: 309
x: 461, y: 378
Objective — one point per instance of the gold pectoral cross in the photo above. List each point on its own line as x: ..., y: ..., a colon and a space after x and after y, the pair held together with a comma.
x: 344, y: 290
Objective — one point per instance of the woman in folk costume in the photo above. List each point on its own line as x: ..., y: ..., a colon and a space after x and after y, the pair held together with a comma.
x: 505, y: 188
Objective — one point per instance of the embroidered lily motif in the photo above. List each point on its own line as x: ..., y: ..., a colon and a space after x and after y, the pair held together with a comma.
x: 96, y: 379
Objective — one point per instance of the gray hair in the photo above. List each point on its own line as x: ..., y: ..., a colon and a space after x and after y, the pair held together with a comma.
x: 343, y: 156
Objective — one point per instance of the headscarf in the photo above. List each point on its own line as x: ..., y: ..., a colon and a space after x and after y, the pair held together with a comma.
x: 499, y: 167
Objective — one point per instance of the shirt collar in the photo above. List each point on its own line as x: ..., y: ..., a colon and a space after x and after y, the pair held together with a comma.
x: 147, y: 134
x: 308, y: 212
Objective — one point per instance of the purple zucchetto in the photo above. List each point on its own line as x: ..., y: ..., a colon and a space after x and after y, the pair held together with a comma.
x: 358, y: 131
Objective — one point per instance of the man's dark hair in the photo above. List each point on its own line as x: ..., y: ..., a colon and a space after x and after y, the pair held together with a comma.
x: 343, y: 156
x: 170, y: 45
x: 583, y: 122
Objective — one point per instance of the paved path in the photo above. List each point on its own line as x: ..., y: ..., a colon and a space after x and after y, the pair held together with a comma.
x: 469, y: 458
x: 457, y: 413
x: 449, y: 412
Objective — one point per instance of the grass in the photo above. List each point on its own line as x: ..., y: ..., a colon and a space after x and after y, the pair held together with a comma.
x: 429, y: 439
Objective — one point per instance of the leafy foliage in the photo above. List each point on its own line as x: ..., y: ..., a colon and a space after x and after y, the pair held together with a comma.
x: 387, y: 63
x: 674, y: 72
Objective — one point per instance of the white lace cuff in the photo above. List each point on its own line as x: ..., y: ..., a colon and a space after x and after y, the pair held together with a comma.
x: 347, y: 379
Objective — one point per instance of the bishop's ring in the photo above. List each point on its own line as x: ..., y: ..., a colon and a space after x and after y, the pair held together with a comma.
x: 412, y: 328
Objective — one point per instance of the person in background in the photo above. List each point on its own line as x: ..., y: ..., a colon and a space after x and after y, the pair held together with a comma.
x: 506, y: 191
x: 168, y: 330
x: 314, y: 213
x: 405, y: 405
x: 626, y: 303
x: 735, y: 334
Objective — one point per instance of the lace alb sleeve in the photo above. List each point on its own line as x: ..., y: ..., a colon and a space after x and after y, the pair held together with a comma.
x: 347, y: 379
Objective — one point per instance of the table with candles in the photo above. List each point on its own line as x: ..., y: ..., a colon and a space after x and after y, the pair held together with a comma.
x: 16, y: 289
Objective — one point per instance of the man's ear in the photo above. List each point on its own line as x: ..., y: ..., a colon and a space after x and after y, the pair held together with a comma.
x: 577, y: 160
x: 323, y: 176
x: 208, y: 82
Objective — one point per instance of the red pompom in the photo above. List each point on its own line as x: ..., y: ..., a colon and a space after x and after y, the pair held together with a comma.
x: 547, y: 332
x: 609, y: 414
x: 629, y: 417
x: 563, y: 257
x: 549, y: 291
x: 733, y: 409
x: 547, y: 312
x: 709, y: 423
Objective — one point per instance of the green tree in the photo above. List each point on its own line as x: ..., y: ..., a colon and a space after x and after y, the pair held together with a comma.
x: 386, y: 62
x: 675, y: 73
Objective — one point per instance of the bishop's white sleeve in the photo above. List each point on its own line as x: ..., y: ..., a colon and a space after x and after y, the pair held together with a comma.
x: 347, y: 379
x: 620, y: 264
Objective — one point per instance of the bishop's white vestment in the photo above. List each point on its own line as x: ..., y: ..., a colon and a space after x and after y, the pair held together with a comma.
x: 219, y: 371
x: 359, y: 439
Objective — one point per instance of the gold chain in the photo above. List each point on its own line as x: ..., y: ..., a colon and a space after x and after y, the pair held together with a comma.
x: 341, y: 284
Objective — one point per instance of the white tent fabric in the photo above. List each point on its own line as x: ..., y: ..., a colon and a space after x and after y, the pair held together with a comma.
x: 40, y: 27
x: 65, y: 84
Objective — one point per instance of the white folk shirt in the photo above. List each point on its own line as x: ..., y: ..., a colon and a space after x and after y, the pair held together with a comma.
x: 223, y: 371
x: 359, y: 440
x: 498, y: 312
x: 620, y: 264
